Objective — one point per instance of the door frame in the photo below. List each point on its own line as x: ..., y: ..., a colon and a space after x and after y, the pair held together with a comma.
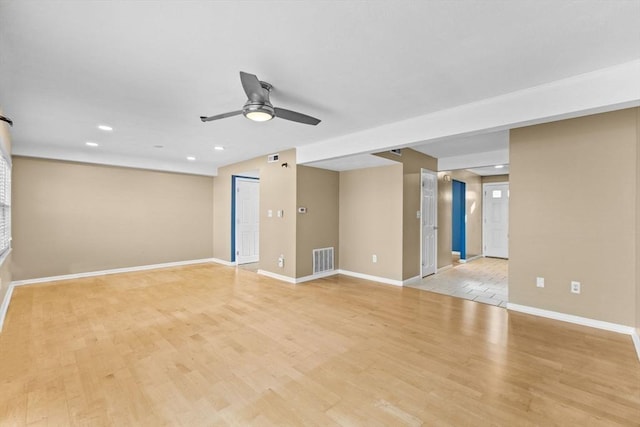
x: 234, y: 236
x: 484, y: 212
x: 423, y: 172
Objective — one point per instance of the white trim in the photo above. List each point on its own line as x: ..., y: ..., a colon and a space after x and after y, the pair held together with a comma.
x: 316, y: 276
x: 4, y: 308
x: 578, y: 320
x: 411, y: 280
x: 466, y: 260
x: 446, y: 267
x: 277, y: 276
x: 424, y: 171
x: 584, y: 321
x: 636, y: 342
x: 223, y: 262
x: 111, y: 271
x: 371, y: 278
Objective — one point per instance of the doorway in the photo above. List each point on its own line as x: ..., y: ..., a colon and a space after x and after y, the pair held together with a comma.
x: 245, y: 219
x: 458, y: 220
x: 495, y: 234
x: 428, y: 222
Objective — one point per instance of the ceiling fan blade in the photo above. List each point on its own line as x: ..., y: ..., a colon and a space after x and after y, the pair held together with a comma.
x: 220, y: 116
x: 252, y: 87
x: 296, y: 117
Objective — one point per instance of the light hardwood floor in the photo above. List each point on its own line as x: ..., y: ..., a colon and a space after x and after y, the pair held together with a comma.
x: 214, y: 345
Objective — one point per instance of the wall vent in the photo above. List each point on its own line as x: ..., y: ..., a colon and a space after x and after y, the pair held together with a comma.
x: 272, y: 158
x: 396, y: 151
x: 322, y: 260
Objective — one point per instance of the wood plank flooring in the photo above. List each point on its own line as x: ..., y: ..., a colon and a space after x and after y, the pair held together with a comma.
x: 215, y: 345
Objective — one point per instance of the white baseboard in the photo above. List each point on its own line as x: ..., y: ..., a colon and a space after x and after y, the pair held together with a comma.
x: 470, y: 259
x: 111, y: 271
x: 636, y: 342
x: 446, y: 267
x: 578, y: 320
x: 412, y: 280
x: 5, y: 305
x: 296, y: 280
x: 277, y: 276
x: 371, y: 278
x: 223, y: 262
x: 316, y: 276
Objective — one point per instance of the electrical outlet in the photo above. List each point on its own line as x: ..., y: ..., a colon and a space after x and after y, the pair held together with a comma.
x: 540, y: 282
x: 575, y: 287
x: 281, y: 261
x: 374, y: 258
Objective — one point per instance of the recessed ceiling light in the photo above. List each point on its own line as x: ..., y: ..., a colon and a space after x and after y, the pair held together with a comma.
x: 158, y: 146
x: 191, y: 158
x: 218, y: 148
x: 105, y: 127
x: 91, y: 144
x: 498, y: 166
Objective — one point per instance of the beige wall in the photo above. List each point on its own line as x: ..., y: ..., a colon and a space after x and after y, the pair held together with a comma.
x: 495, y: 178
x: 371, y: 221
x: 473, y: 207
x: 72, y: 217
x: 5, y: 267
x: 573, y: 215
x: 412, y: 164
x: 317, y: 191
x: 445, y: 214
x: 277, y: 192
x: 638, y: 220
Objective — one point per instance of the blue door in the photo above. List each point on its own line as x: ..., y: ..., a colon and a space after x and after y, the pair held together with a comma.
x: 458, y: 228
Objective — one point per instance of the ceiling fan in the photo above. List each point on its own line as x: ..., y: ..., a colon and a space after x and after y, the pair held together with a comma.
x: 258, y: 107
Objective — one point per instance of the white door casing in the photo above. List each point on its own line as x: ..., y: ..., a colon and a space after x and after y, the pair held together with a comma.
x: 428, y: 222
x: 495, y: 221
x: 247, y: 220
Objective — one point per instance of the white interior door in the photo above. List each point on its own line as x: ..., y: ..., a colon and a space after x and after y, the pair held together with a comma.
x: 429, y: 221
x: 247, y: 220
x: 496, y: 220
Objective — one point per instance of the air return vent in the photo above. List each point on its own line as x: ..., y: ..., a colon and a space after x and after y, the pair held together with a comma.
x: 322, y: 260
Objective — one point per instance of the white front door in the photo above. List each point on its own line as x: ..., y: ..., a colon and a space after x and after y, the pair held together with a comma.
x: 496, y: 220
x: 429, y: 221
x: 247, y: 220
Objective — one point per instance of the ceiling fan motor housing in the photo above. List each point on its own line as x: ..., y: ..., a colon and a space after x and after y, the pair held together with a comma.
x: 260, y: 110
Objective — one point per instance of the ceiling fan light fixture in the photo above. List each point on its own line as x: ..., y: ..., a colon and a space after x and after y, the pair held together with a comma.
x: 258, y: 112
x: 258, y: 116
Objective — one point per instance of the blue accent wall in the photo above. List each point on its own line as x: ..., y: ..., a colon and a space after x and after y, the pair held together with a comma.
x: 458, y: 228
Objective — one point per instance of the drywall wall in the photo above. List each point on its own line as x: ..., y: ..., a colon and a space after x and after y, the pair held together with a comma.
x: 573, y: 215
x: 638, y: 220
x: 5, y: 267
x: 371, y: 221
x: 73, y: 217
x: 444, y: 219
x: 495, y: 178
x: 412, y: 164
x: 277, y: 192
x: 317, y: 191
x: 473, y: 208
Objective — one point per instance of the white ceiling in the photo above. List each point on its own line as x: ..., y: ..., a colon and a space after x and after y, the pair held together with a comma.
x: 150, y: 69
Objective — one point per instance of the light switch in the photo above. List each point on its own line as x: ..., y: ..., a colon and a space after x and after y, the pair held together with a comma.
x: 269, y: 213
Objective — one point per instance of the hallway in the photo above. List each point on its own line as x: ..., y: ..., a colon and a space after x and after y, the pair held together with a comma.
x: 483, y: 280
